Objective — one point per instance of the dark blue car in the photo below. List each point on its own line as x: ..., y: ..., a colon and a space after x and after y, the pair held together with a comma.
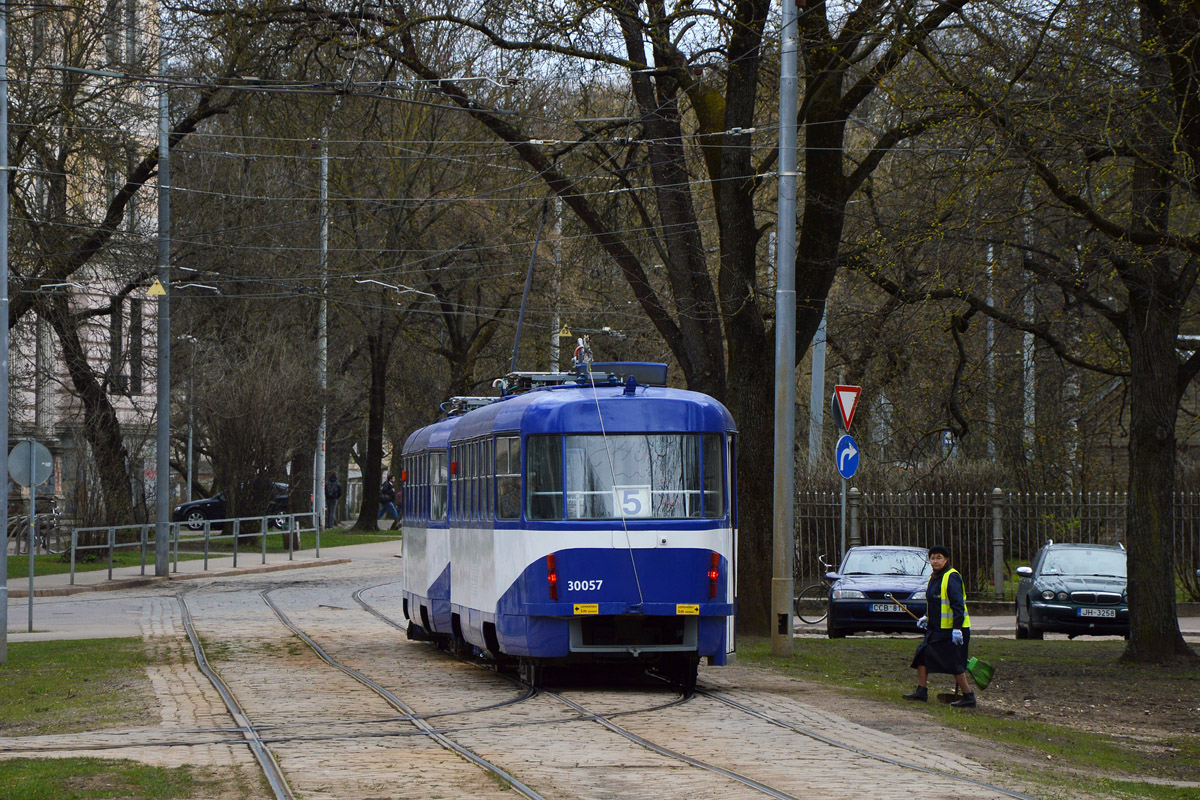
x: 1076, y: 589
x: 872, y: 588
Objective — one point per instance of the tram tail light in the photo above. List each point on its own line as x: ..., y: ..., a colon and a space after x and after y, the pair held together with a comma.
x: 403, y: 475
x: 552, y: 577
x: 714, y: 573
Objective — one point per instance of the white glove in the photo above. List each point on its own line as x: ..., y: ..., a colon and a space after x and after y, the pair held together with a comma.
x: 956, y: 635
x: 923, y: 623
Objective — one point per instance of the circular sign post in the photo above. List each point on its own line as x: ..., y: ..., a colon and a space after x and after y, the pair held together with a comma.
x: 30, y: 464
x: 845, y: 455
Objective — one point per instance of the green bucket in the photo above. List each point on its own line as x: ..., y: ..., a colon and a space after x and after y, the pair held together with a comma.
x: 981, y: 671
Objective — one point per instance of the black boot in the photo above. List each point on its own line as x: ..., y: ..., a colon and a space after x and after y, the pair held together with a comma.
x: 922, y: 693
x: 966, y: 701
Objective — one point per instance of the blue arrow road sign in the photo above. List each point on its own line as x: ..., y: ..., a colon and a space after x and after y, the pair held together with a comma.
x: 846, y: 455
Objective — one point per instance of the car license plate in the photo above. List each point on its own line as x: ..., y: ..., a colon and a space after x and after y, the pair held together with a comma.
x: 1107, y: 613
x: 886, y: 608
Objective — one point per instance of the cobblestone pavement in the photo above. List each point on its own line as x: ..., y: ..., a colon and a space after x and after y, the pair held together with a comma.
x: 336, y: 738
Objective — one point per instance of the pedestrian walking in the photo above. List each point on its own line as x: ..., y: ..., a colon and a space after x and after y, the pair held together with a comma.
x: 333, y: 492
x: 947, y: 641
x: 387, y: 500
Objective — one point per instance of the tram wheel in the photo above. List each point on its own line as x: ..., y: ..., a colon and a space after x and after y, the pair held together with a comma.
x: 531, y: 672
x: 461, y: 648
x: 681, y: 671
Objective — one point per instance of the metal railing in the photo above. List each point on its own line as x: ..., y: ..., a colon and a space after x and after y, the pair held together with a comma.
x: 988, y: 533
x: 118, y: 537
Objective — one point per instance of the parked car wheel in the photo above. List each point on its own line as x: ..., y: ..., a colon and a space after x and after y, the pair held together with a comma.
x: 1022, y: 633
x: 195, y: 520
x: 833, y: 631
x: 278, y: 522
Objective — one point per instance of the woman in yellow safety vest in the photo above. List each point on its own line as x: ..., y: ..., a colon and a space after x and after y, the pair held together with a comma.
x: 947, y: 641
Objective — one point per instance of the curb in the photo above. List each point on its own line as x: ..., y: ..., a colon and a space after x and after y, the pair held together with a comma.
x: 134, y: 583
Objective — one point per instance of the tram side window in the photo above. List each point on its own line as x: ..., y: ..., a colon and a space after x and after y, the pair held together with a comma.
x: 425, y: 486
x: 714, y: 477
x: 410, y: 484
x: 437, y: 486
x: 456, y: 487
x: 489, y: 478
x: 544, y: 479
x: 508, y: 477
x: 476, y: 494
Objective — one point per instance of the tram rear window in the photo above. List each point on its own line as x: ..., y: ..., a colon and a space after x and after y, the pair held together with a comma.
x: 653, y: 476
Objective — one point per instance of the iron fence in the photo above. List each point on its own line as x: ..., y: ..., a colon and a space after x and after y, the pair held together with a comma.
x: 988, y: 533
x: 106, y: 541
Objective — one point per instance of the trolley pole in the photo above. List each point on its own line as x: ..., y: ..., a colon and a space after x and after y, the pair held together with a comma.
x: 783, y: 545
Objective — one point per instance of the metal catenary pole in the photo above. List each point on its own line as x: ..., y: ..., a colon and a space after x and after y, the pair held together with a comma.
x: 32, y: 524
x: 4, y: 328
x: 162, y: 506
x: 783, y: 544
x: 322, y: 330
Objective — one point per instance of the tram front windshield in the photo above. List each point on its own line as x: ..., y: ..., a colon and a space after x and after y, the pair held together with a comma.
x: 655, y: 476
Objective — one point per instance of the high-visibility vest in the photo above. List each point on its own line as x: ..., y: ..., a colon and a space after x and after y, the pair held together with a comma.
x: 947, y: 611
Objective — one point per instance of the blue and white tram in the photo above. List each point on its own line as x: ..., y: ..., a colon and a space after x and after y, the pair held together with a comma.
x: 586, y: 521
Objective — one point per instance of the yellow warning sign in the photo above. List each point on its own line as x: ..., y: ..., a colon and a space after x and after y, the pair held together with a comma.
x: 587, y: 608
x: 156, y: 289
x: 688, y: 610
x: 565, y: 332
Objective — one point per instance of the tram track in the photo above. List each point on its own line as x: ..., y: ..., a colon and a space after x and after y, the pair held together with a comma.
x: 604, y: 719
x: 253, y: 740
x: 394, y: 701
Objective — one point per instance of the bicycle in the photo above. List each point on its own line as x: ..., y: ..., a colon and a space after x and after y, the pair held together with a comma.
x: 812, y: 604
x: 49, y: 530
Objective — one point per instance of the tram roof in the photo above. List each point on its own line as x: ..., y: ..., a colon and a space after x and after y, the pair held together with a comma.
x: 573, y: 409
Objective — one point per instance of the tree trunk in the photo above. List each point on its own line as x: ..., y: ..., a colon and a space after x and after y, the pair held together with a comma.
x: 1151, y: 329
x: 101, y: 428
x: 378, y: 351
x: 1154, y: 634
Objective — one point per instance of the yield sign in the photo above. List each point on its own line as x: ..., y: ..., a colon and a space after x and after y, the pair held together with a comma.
x: 846, y: 398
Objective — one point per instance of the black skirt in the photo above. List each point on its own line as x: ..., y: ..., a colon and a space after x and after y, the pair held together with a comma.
x: 938, y: 653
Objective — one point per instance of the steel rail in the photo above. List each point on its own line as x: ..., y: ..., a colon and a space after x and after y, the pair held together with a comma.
x: 357, y: 596
x: 860, y: 751
x: 657, y: 748
x: 400, y: 705
x: 279, y: 784
x: 604, y: 720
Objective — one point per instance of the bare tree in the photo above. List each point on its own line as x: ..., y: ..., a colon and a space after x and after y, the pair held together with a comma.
x: 684, y: 159
x: 1098, y: 105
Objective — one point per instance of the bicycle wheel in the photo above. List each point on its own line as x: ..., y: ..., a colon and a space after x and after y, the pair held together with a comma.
x: 812, y: 604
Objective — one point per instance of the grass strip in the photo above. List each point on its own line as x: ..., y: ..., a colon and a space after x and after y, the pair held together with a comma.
x: 189, y: 550
x: 71, y: 686
x: 86, y: 778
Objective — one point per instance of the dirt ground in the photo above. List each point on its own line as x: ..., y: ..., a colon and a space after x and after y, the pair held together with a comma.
x: 1134, y: 705
x: 1153, y: 711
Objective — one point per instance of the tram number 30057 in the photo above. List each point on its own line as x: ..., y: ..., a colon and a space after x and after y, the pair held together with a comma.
x: 584, y: 586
